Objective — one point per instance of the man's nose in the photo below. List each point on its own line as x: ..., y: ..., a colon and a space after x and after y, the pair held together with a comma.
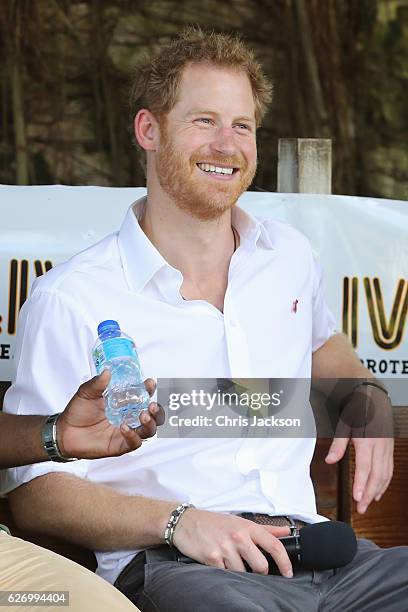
x: 224, y: 141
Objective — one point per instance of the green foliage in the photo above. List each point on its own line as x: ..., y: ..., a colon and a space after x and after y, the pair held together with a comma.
x: 340, y: 69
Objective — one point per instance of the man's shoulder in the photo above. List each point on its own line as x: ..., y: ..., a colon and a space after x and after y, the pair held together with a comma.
x: 79, y: 268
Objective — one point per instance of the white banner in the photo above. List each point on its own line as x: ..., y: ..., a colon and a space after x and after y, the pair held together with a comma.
x: 362, y: 244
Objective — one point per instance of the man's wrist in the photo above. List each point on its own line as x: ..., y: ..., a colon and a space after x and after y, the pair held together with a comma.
x: 372, y: 383
x: 162, y: 518
x: 173, y: 522
x: 36, y: 438
x: 50, y: 441
x: 60, y: 427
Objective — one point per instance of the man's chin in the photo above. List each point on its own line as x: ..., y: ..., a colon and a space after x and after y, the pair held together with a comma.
x: 207, y: 208
x: 212, y: 203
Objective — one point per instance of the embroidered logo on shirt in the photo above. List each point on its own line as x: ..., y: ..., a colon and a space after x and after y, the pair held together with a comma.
x: 295, y: 306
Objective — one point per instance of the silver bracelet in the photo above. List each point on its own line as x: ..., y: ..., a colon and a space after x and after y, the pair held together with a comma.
x: 49, y: 440
x: 175, y: 516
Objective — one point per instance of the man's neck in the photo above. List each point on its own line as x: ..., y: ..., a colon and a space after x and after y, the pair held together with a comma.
x: 201, y: 250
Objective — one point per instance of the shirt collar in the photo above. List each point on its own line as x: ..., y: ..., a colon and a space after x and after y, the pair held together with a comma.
x: 252, y: 231
x: 141, y: 260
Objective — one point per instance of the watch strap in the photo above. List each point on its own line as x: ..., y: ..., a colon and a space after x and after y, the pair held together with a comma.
x: 49, y: 440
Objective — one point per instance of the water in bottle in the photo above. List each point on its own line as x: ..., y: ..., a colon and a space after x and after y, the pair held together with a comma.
x: 126, y: 395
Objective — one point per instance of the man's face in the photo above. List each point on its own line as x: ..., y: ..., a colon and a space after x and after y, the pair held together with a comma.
x: 211, y: 126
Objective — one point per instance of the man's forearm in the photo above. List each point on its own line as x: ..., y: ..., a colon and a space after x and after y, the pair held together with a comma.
x: 20, y: 438
x: 89, y: 514
x: 335, y: 366
x: 337, y: 359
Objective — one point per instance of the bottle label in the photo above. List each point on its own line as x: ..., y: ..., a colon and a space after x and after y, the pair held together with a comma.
x: 98, y: 359
x: 118, y: 347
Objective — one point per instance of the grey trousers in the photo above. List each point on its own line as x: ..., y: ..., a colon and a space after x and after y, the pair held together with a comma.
x: 159, y: 580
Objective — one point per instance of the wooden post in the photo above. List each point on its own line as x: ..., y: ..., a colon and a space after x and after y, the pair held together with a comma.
x: 304, y: 165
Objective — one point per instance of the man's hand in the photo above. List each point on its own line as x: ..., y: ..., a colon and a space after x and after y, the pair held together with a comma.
x: 226, y: 541
x: 84, y: 432
x: 369, y: 416
x: 373, y: 442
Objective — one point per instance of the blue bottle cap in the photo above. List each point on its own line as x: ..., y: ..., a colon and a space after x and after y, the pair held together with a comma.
x: 108, y: 325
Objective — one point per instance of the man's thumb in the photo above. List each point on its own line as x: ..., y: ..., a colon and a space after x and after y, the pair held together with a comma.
x: 94, y: 388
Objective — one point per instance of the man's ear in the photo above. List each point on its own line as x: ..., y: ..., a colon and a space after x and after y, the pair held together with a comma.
x: 146, y: 130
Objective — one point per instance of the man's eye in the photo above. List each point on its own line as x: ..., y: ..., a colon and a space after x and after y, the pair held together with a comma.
x: 242, y: 126
x: 205, y: 120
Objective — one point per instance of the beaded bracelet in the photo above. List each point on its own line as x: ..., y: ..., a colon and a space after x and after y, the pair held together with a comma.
x: 175, y: 516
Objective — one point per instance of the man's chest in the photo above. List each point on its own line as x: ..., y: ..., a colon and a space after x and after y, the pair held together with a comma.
x: 266, y: 322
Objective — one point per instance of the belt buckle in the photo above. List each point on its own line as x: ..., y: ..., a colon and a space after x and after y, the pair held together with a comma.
x: 293, y: 529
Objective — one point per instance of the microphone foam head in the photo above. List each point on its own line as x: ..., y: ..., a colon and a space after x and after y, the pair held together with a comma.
x: 327, y: 545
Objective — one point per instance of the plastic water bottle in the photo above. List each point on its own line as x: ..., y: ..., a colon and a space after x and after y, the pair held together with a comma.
x: 126, y: 395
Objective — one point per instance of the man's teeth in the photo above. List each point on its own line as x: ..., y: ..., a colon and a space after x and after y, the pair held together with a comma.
x: 216, y: 169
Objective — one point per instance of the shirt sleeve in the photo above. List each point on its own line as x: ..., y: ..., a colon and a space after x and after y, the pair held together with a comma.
x: 324, y: 324
x: 52, y: 359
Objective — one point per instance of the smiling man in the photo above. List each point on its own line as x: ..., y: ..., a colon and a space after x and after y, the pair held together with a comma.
x: 201, y: 157
x: 207, y: 291
x: 207, y: 155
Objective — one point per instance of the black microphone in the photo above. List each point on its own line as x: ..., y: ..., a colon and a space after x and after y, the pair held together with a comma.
x: 320, y: 546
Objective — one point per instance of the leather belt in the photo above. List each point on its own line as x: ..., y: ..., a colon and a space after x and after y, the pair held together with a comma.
x: 277, y: 521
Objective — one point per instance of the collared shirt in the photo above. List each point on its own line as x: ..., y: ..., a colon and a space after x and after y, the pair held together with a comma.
x: 258, y: 335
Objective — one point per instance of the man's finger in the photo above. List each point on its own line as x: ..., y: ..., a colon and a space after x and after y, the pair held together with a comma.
x: 157, y: 412
x: 147, y: 429
x: 150, y: 385
x: 379, y: 475
x: 276, y: 549
x: 256, y: 560
x: 390, y: 470
x: 278, y: 532
x: 94, y: 388
x: 131, y: 436
x: 364, y: 456
x: 233, y: 561
x: 337, y: 449
x: 372, y: 487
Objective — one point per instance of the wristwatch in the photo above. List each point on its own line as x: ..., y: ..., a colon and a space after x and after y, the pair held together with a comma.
x: 49, y: 440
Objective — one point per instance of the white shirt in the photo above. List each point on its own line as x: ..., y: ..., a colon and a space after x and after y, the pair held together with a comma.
x: 124, y: 277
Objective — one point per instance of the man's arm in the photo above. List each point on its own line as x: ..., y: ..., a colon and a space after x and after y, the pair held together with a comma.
x: 89, y: 514
x: 374, y: 456
x: 337, y: 359
x: 82, y: 429
x: 100, y: 518
x: 21, y: 440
